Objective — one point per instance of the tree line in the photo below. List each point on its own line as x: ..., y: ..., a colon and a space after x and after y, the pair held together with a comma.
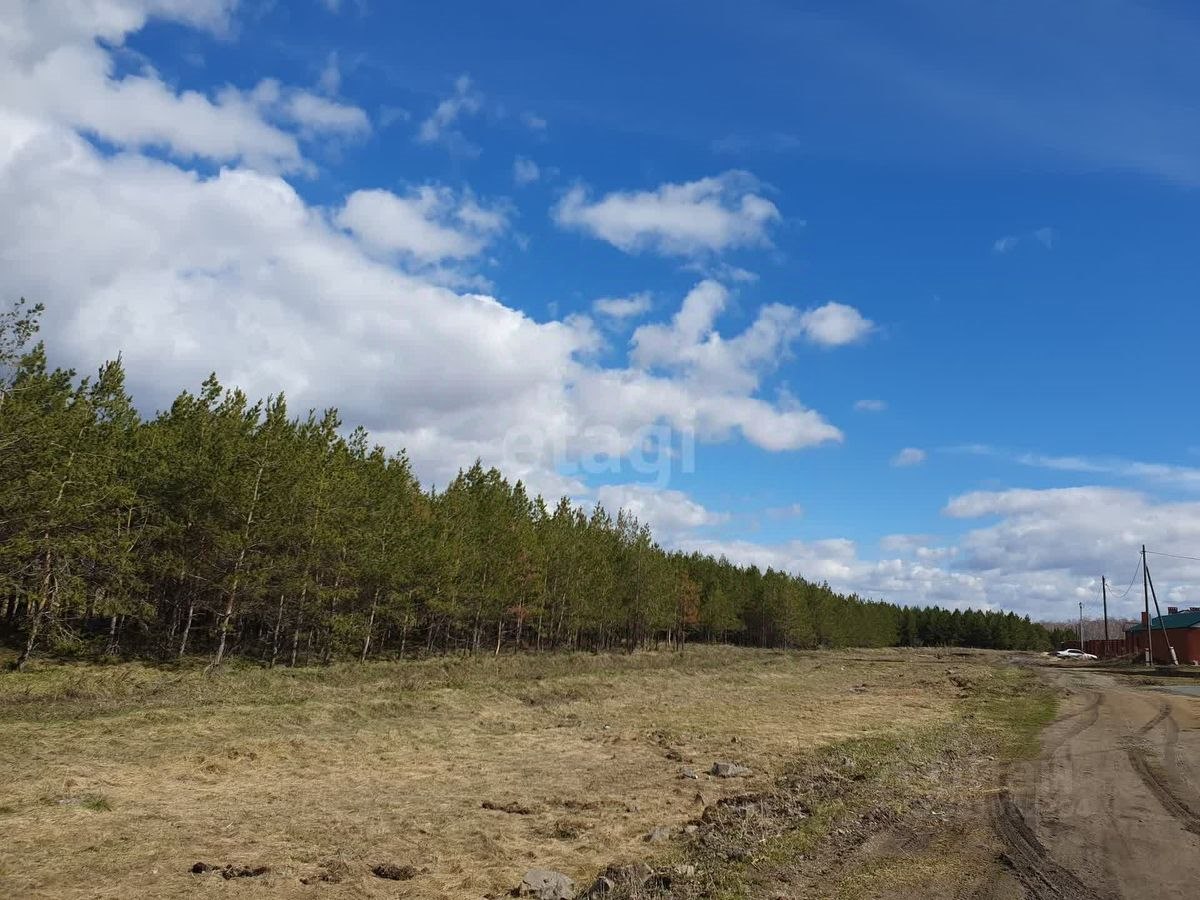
x: 225, y: 526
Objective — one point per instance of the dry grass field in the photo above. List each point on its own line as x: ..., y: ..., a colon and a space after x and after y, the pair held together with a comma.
x: 116, y: 780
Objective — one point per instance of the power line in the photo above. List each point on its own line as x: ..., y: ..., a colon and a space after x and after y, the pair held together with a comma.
x: 1173, y: 556
x: 1131, y: 581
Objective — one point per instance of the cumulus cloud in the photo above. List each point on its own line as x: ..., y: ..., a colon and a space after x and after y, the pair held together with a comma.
x: 440, y: 127
x: 56, y: 71
x: 74, y: 85
x: 429, y: 224
x: 623, y: 307
x: 870, y: 406
x: 909, y: 456
x: 35, y: 28
x: 691, y: 343
x: 1042, y: 554
x: 1076, y: 534
x: 186, y: 269
x: 321, y: 115
x: 525, y: 171
x: 835, y: 324
x: 838, y: 562
x: 708, y: 215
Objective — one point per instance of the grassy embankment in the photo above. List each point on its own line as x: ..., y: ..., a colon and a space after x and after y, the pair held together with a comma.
x: 119, y: 778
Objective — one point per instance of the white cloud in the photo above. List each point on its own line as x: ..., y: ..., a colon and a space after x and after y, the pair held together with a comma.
x: 73, y: 85
x: 835, y: 324
x: 429, y: 224
x: 870, y: 406
x: 55, y: 71
x: 904, y: 544
x: 623, y: 307
x: 708, y: 215
x: 837, y: 561
x: 909, y: 456
x: 668, y: 512
x: 34, y: 28
x: 188, y: 269
x: 440, y: 128
x: 320, y: 114
x: 687, y: 373
x: 330, y: 79
x: 1044, y: 554
x: 909, y: 579
x: 185, y: 270
x: 690, y: 343
x: 686, y: 339
x: 525, y: 171
x: 1056, y: 543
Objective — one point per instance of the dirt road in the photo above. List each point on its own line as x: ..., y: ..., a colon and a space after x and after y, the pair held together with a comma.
x: 1111, y: 808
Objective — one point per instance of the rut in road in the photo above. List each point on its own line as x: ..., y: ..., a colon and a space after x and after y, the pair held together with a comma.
x: 1163, y: 792
x: 1085, y: 718
x: 1162, y: 714
x: 1157, y: 781
x: 1042, y: 876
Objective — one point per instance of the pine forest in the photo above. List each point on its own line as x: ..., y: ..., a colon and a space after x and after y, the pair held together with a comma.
x: 227, y: 526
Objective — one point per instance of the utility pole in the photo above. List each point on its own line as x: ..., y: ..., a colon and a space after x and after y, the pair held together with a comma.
x: 1080, y: 624
x: 1161, y: 622
x: 1146, y: 596
x: 1104, y: 594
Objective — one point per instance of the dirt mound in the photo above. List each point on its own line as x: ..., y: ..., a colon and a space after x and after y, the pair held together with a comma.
x: 393, y: 872
x: 230, y: 871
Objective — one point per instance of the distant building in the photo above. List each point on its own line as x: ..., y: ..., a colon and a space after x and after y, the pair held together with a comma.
x: 1183, y: 632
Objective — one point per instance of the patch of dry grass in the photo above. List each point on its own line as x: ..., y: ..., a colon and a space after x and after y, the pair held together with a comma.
x: 338, y: 770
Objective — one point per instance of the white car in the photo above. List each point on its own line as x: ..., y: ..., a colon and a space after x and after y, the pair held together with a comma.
x: 1075, y: 654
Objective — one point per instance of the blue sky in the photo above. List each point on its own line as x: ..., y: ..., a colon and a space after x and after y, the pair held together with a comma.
x: 940, y: 257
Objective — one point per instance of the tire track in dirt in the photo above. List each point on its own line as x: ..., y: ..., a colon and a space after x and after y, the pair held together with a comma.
x: 1158, y: 785
x: 1158, y: 781
x: 1084, y: 718
x: 1090, y: 821
x: 1042, y: 877
x: 1026, y: 856
x: 1163, y: 713
x: 1170, y: 744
